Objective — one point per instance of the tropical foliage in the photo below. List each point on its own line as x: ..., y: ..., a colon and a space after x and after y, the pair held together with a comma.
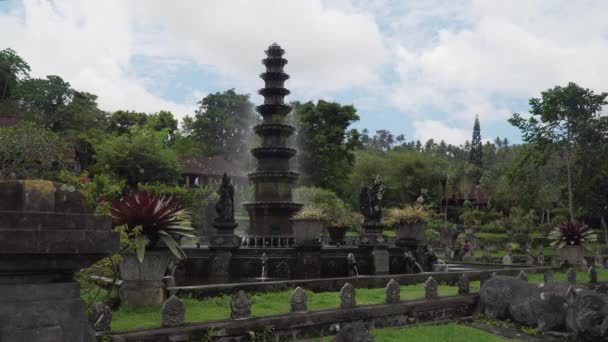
x: 570, y: 233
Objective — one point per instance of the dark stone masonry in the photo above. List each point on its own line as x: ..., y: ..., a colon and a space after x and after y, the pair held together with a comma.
x: 47, y: 233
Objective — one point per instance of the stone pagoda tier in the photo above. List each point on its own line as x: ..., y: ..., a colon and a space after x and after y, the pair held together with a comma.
x: 272, y: 208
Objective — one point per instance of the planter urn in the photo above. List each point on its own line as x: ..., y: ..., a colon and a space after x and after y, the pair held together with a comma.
x: 143, y: 282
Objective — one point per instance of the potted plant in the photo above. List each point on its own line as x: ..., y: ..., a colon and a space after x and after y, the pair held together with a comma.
x: 341, y: 224
x: 154, y: 224
x: 470, y: 218
x: 308, y: 225
x: 410, y: 222
x: 572, y: 238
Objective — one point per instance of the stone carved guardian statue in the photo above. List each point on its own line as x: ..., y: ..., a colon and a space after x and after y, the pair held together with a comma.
x: 225, y: 205
x: 173, y: 312
x: 554, y: 307
x: 353, y: 332
x: 348, y: 296
x: 463, y: 284
x: 101, y: 317
x: 353, y: 270
x: 370, y: 201
x: 430, y: 289
x: 240, y: 306
x: 393, y: 292
x: 299, y: 300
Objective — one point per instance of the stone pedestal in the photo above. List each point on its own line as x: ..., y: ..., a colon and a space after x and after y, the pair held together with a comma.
x: 47, y: 233
x: 372, y: 239
x: 222, y: 244
x: 308, y: 262
x: 143, y: 282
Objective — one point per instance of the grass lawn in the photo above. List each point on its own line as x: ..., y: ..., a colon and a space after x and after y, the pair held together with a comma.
x: 266, y: 304
x: 433, y: 333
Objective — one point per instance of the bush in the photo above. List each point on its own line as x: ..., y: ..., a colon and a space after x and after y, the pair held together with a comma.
x: 333, y: 207
x: 493, y: 227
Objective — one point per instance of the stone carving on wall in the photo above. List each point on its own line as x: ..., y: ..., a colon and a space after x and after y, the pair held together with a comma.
x: 240, y: 306
x: 348, y: 296
x: 298, y: 300
x: 370, y: 201
x: 571, y: 275
x: 463, y: 284
x: 552, y: 307
x: 220, y: 263
x: 353, y: 332
x: 430, y: 288
x: 173, y: 312
x: 282, y: 270
x: 393, y: 292
x: 101, y: 317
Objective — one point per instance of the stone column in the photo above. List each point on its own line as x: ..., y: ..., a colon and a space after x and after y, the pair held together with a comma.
x: 47, y: 233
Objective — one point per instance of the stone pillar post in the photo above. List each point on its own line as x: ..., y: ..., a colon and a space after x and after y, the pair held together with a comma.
x: 47, y: 233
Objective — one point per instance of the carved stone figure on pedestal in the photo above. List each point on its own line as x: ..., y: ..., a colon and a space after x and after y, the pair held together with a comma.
x: 353, y: 271
x: 370, y: 202
x: 224, y: 241
x: 348, y: 296
x: 430, y: 288
x: 240, y: 306
x: 299, y: 300
x: 463, y: 284
x: 173, y: 312
x: 393, y: 292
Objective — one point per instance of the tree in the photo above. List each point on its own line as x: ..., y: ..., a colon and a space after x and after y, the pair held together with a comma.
x: 326, y: 155
x: 560, y: 119
x: 29, y: 151
x: 138, y: 157
x: 222, y: 123
x: 163, y: 120
x: 80, y: 114
x: 12, y: 69
x: 476, y: 152
x: 42, y: 99
x: 121, y: 122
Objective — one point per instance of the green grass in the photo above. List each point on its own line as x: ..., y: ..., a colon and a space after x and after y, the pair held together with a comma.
x: 434, y: 333
x: 560, y: 277
x: 264, y: 304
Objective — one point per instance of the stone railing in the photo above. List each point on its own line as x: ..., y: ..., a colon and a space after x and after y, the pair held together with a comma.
x: 301, y: 323
x: 267, y: 241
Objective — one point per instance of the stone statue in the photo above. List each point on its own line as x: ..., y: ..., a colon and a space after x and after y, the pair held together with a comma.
x: 298, y: 300
x: 370, y: 201
x: 173, y: 312
x: 598, y: 257
x: 348, y: 297
x: 393, y: 292
x: 430, y: 288
x: 463, y: 284
x: 240, y: 306
x: 225, y: 205
x: 353, y: 332
x: 541, y: 256
x: 429, y: 258
x: 101, y: 317
x: 553, y: 307
x: 548, y: 277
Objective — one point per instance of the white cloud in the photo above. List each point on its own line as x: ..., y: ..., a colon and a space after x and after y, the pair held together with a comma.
x: 92, y: 44
x: 501, y: 52
x: 431, y: 129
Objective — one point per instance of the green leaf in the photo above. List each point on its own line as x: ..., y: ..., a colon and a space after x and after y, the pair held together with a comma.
x: 173, y: 246
x: 140, y: 246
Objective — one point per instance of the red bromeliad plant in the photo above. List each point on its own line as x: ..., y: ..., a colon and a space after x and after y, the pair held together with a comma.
x: 150, y: 219
x: 570, y: 233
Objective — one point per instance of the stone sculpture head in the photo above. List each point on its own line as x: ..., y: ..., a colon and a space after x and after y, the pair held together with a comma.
x: 587, y: 314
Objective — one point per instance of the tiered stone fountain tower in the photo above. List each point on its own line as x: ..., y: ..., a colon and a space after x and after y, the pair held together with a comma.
x: 272, y: 208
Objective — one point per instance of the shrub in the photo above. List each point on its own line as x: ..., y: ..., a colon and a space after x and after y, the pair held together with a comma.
x: 410, y: 214
x: 150, y: 219
x: 334, y: 209
x: 571, y: 233
x: 310, y: 213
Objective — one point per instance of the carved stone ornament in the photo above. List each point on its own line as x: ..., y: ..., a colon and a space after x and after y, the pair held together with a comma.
x: 241, y: 305
x: 173, y: 312
x: 393, y: 292
x: 299, y: 300
x: 347, y: 296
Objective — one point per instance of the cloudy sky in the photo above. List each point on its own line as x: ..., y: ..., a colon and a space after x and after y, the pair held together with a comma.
x: 422, y: 68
